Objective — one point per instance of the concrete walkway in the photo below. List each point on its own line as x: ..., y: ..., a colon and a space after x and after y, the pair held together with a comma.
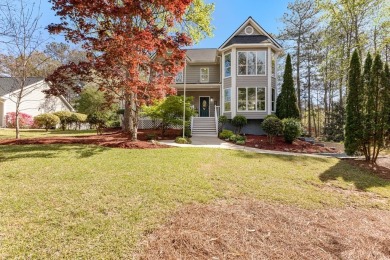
x: 214, y: 142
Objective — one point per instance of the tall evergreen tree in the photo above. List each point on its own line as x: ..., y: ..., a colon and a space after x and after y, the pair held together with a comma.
x: 354, y: 122
x: 368, y: 106
x: 286, y: 103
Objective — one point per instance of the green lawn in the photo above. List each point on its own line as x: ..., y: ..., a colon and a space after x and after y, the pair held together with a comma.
x: 77, y: 201
x: 29, y: 133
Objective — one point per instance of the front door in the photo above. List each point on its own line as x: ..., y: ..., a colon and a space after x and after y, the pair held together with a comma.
x: 204, y: 106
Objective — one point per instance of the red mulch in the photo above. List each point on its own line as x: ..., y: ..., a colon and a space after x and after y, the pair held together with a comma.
x: 108, y: 139
x: 298, y: 146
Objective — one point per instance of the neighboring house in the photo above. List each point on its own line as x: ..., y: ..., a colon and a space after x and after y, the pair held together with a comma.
x: 238, y: 78
x: 34, y: 101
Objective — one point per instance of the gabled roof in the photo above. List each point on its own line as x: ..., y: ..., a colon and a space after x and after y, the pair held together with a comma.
x: 251, y: 38
x: 202, y: 55
x: 9, y: 85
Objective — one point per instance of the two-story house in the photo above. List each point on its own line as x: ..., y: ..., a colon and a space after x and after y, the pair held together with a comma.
x: 238, y: 78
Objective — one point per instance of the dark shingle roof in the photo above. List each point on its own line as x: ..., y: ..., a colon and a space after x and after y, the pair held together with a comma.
x: 246, y: 39
x: 202, y: 55
x: 8, y: 85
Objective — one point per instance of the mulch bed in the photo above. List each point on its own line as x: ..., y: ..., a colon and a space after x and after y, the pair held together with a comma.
x: 298, y: 146
x: 110, y: 138
x: 249, y: 229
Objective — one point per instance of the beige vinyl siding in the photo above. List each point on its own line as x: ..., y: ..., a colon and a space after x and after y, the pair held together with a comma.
x: 227, y: 83
x: 253, y: 115
x: 193, y: 73
x: 252, y: 81
x: 228, y: 115
x: 273, y: 82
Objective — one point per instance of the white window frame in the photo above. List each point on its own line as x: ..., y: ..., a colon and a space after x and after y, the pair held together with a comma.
x: 224, y: 68
x: 208, y: 75
x: 246, y: 66
x: 246, y: 100
x: 273, y: 99
x: 224, y: 99
x: 182, y: 77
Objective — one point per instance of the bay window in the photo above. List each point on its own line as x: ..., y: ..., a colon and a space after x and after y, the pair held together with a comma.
x: 251, y: 63
x: 251, y: 99
x: 228, y: 65
x: 227, y: 100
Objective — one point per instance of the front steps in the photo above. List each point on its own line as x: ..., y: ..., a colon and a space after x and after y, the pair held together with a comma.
x: 204, y: 126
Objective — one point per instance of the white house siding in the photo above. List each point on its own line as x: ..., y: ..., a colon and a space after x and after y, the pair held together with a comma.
x: 34, y: 103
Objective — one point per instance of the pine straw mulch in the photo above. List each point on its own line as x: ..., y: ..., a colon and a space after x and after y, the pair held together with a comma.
x: 115, y: 139
x: 298, y: 146
x: 248, y: 229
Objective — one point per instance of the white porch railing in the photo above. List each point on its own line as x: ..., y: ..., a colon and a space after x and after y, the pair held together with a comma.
x: 217, y: 114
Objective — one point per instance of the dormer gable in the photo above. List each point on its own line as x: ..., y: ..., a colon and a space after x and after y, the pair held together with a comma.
x: 250, y: 32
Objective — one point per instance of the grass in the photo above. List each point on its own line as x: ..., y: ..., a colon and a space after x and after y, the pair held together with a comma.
x: 30, y: 133
x: 74, y: 201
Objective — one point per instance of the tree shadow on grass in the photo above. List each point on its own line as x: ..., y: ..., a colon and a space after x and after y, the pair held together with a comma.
x: 361, y: 178
x: 290, y: 158
x: 16, y: 152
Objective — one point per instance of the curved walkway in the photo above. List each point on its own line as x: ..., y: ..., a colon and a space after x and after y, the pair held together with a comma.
x: 214, y: 142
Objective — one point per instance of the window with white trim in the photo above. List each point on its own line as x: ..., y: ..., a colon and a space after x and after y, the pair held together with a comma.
x: 179, y: 77
x: 204, y: 75
x: 227, y: 99
x: 228, y: 65
x: 251, y: 63
x: 251, y: 99
x: 273, y: 99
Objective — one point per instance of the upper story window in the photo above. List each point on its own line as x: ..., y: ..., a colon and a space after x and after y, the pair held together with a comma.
x: 204, y: 75
x: 251, y: 63
x: 179, y: 77
x: 228, y: 65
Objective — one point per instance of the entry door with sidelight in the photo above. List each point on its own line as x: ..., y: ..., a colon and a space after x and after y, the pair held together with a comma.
x: 204, y: 106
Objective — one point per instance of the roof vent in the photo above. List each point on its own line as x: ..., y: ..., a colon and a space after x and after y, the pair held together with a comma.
x: 249, y: 30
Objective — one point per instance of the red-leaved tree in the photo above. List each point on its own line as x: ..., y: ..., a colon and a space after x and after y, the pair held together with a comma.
x: 121, y: 38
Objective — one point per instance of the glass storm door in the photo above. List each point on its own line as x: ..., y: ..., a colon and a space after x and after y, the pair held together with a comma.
x: 204, y: 105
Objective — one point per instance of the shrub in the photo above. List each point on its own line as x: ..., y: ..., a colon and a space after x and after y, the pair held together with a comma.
x: 240, y: 142
x: 270, y: 116
x: 25, y: 120
x: 99, y: 120
x: 78, y: 119
x: 223, y: 120
x: 181, y: 140
x: 65, y: 118
x: 233, y: 138
x: 46, y: 121
x: 291, y: 129
x: 240, y: 138
x: 225, y: 134
x: 273, y: 126
x: 239, y: 122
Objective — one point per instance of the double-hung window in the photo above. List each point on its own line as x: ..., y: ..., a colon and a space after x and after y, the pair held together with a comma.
x: 273, y: 99
x: 179, y: 77
x: 251, y: 99
x: 228, y: 65
x: 204, y: 75
x: 251, y: 63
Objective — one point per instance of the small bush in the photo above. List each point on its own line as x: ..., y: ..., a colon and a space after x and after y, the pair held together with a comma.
x: 46, y: 121
x: 239, y: 122
x: 25, y: 120
x: 240, y: 138
x: 270, y: 116
x: 225, y: 134
x: 233, y: 138
x: 65, y: 118
x: 292, y: 129
x: 77, y: 119
x: 273, y: 126
x: 99, y: 120
x: 240, y: 142
x: 181, y: 140
x: 223, y: 120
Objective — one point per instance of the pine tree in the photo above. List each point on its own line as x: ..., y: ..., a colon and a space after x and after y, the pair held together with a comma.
x: 368, y: 107
x: 286, y: 103
x: 354, y: 120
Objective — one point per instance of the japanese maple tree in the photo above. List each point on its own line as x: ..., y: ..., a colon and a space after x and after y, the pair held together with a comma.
x: 133, y: 49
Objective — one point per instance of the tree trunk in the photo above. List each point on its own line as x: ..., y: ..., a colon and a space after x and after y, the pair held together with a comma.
x: 133, y: 117
x: 298, y: 75
x: 126, y: 114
